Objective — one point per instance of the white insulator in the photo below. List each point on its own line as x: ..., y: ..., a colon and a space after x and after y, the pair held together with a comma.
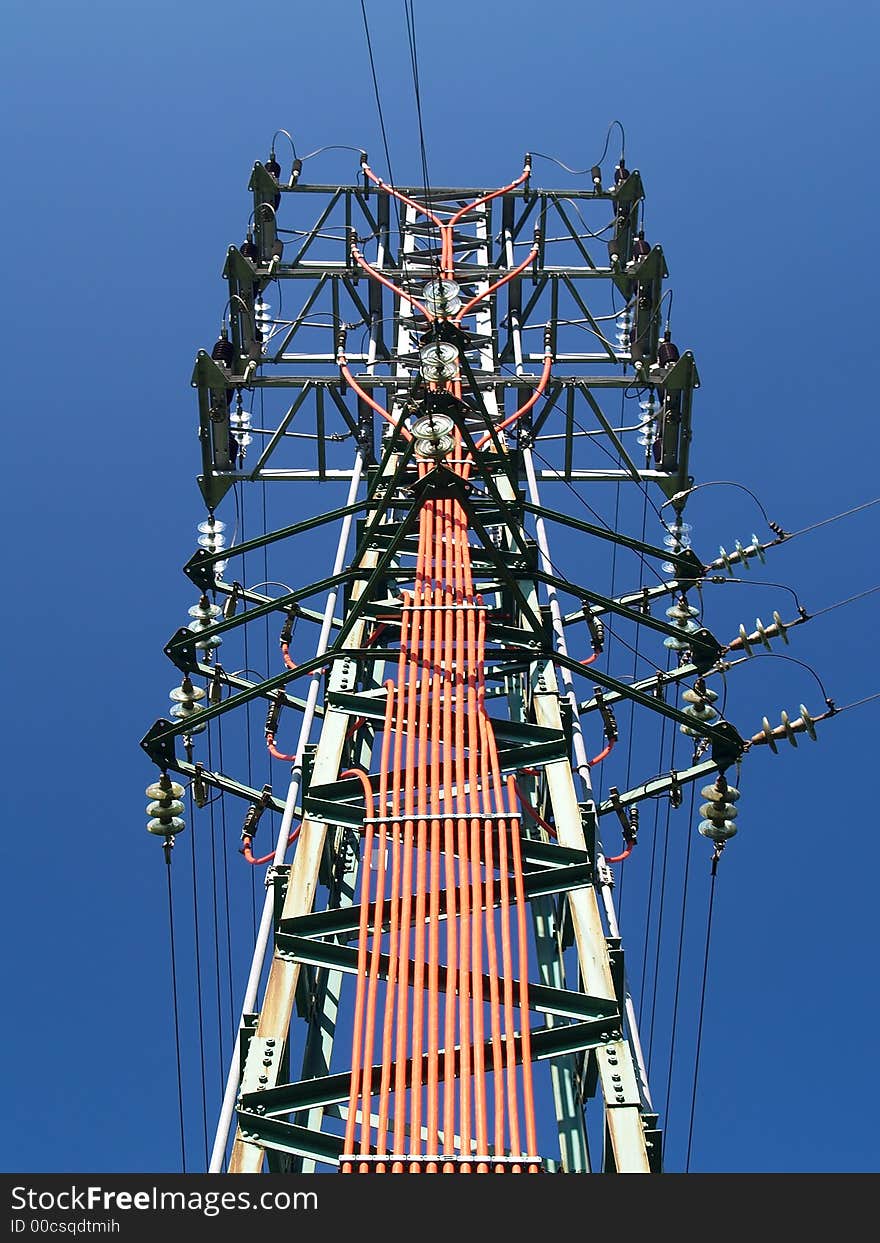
x: 678, y: 536
x: 212, y: 539
x: 707, y: 696
x: 714, y: 795
x: 186, y: 694
x: 767, y: 733
x: 717, y: 832
x: 442, y: 297
x: 164, y: 807
x: 624, y: 327
x: 703, y: 713
x: 203, y: 645
x: 432, y: 426
x: 434, y: 448
x: 761, y: 632
x: 681, y: 611
x: 166, y: 828
x: 648, y: 431
x: 681, y: 615
x: 240, y: 425
x: 173, y: 807
x: 809, y: 724
x: 718, y: 812
x: 439, y: 360
x: 787, y: 726
x: 781, y: 628
x: 204, y: 612
x: 263, y: 320
x: 172, y: 789
x: 186, y: 703
x: 210, y: 525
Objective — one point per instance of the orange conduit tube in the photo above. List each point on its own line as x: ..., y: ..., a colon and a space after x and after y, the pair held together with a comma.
x: 274, y: 752
x: 247, y: 851
x: 448, y: 808
x: 464, y: 933
x: 523, y: 964
x: 449, y: 847
x: 370, y: 1012
x: 526, y: 406
x: 401, y: 293
x: 433, y: 1041
x: 365, y: 396
x: 387, y: 1059
x: 357, y: 1034
x: 491, y: 939
x: 603, y: 754
x: 383, y: 185
x: 533, y: 812
x: 508, y: 276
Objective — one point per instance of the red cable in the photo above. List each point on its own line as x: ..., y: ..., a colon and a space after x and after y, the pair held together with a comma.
x: 508, y: 276
x: 619, y: 858
x: 536, y: 816
x: 401, y: 293
x: 248, y: 853
x: 365, y: 396
x: 590, y: 659
x: 274, y: 752
x: 603, y: 754
x: 487, y: 197
x: 403, y: 197
x: 542, y: 384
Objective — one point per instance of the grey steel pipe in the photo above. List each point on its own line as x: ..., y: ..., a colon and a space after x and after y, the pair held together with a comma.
x: 580, y: 750
x: 264, y: 932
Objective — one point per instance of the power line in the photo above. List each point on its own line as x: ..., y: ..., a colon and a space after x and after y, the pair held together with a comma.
x: 702, y: 1010
x: 379, y: 106
x: 176, y: 1013
x: 192, y: 843
x: 687, y: 863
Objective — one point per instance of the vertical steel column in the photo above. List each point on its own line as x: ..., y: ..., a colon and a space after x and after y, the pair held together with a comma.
x: 264, y: 932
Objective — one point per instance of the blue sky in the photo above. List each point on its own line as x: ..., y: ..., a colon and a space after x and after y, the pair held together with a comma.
x: 128, y: 136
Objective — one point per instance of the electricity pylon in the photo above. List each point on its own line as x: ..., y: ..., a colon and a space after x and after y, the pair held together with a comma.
x: 439, y: 945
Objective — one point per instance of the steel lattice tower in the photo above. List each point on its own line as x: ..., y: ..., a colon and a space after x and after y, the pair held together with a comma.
x: 447, y: 907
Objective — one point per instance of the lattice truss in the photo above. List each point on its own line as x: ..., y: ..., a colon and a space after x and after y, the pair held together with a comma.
x: 444, y: 957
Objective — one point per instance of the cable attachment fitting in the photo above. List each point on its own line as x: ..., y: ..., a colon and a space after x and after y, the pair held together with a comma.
x: 254, y: 813
x: 165, y: 807
x: 272, y: 718
x: 629, y: 823
x: 741, y: 555
x: 200, y: 787
x: 292, y: 613
x: 699, y: 700
x: 607, y: 712
x: 788, y: 729
x: 718, y: 811
x: 596, y: 627
x: 676, y: 794
x: 231, y: 606
x: 215, y: 688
